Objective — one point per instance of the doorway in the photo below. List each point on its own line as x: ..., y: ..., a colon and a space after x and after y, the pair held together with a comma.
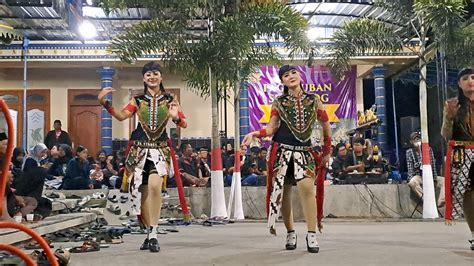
x: 84, y: 119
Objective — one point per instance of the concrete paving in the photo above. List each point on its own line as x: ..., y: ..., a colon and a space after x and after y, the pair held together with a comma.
x: 342, y: 243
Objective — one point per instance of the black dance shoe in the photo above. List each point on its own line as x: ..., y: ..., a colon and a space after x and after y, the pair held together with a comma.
x: 153, y: 245
x: 145, y: 245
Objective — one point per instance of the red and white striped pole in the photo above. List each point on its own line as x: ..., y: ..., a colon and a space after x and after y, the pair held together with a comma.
x: 236, y: 191
x: 429, y: 201
x: 217, y: 185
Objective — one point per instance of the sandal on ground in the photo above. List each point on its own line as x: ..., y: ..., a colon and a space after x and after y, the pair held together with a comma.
x: 113, y: 198
x: 87, y: 246
x: 115, y: 209
x: 63, y: 256
x: 102, y: 221
x: 35, y: 245
x: 171, y: 229
x: 98, y: 195
x: 123, y: 199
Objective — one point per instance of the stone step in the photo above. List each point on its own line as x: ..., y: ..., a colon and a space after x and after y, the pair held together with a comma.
x: 49, y: 225
x: 78, y: 193
x: 59, y: 205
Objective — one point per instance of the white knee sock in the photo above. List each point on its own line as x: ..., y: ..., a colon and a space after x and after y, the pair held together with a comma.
x: 472, y: 235
x: 152, y: 231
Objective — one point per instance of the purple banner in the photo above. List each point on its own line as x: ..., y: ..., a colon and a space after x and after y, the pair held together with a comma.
x: 339, y: 97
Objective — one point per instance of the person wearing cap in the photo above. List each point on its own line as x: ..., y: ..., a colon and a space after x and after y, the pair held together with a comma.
x: 458, y: 125
x: 292, y: 160
x: 149, y: 156
x: 415, y: 168
x: 338, y: 163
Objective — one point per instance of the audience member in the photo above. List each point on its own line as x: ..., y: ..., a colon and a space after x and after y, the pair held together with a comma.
x: 31, y: 182
x: 204, y: 163
x: 188, y: 167
x: 262, y: 161
x: 57, y: 136
x: 77, y: 172
x: 415, y: 169
x: 337, y: 165
x: 356, y: 160
x: 251, y: 176
x: 18, y: 157
x: 229, y: 165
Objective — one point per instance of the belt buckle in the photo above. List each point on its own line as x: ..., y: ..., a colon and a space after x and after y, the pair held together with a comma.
x: 458, y: 155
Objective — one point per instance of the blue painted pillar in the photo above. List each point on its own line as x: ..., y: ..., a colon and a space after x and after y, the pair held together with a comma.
x: 106, y: 75
x: 379, y: 82
x: 244, y: 111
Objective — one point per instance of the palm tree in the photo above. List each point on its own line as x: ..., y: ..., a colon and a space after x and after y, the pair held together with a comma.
x: 225, y: 53
x: 438, y: 26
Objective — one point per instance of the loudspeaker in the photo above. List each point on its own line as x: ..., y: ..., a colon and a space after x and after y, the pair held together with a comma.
x: 408, y: 124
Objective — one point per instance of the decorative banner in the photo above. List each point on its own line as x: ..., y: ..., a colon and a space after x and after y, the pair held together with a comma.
x: 4, y: 126
x: 339, y: 97
x: 35, y: 127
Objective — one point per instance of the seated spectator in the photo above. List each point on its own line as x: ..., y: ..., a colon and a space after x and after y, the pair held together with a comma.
x: 31, y: 182
x: 77, y: 172
x: 188, y: 167
x: 356, y: 160
x: 18, y: 157
x: 227, y: 151
x: 229, y: 165
x: 17, y: 161
x: 262, y: 161
x: 110, y: 171
x: 415, y: 169
x: 97, y: 176
x: 337, y: 165
x: 14, y: 204
x: 101, y: 159
x: 204, y: 165
x: 250, y: 172
x: 59, y: 166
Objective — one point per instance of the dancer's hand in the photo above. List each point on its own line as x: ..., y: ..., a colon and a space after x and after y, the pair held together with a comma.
x: 103, y: 93
x: 451, y: 108
x: 247, y: 139
x: 174, y: 110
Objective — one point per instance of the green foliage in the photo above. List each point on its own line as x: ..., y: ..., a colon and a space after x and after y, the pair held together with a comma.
x: 361, y: 36
x: 230, y: 49
x: 441, y: 19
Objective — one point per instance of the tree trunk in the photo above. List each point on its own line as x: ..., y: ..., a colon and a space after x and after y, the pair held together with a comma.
x: 218, y: 208
x: 429, y: 202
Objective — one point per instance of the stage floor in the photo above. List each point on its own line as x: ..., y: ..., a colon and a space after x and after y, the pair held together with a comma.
x: 359, y: 242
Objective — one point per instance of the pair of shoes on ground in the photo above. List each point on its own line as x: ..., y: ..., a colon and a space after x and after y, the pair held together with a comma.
x: 114, y: 199
x: 150, y: 244
x: 311, y: 243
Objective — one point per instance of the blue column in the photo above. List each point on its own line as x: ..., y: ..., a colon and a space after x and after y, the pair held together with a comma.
x: 244, y: 111
x: 379, y: 82
x: 106, y: 75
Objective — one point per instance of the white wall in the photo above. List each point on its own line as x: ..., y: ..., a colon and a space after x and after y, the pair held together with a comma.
x: 59, y: 80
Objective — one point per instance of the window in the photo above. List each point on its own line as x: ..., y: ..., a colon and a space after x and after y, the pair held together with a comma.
x: 85, y: 97
x: 35, y: 98
x: 10, y: 98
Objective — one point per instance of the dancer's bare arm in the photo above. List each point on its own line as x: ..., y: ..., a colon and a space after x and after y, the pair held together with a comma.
x: 120, y: 115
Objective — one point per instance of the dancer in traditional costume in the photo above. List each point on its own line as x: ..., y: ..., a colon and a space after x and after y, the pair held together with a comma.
x: 292, y: 160
x: 458, y: 129
x: 150, y: 154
